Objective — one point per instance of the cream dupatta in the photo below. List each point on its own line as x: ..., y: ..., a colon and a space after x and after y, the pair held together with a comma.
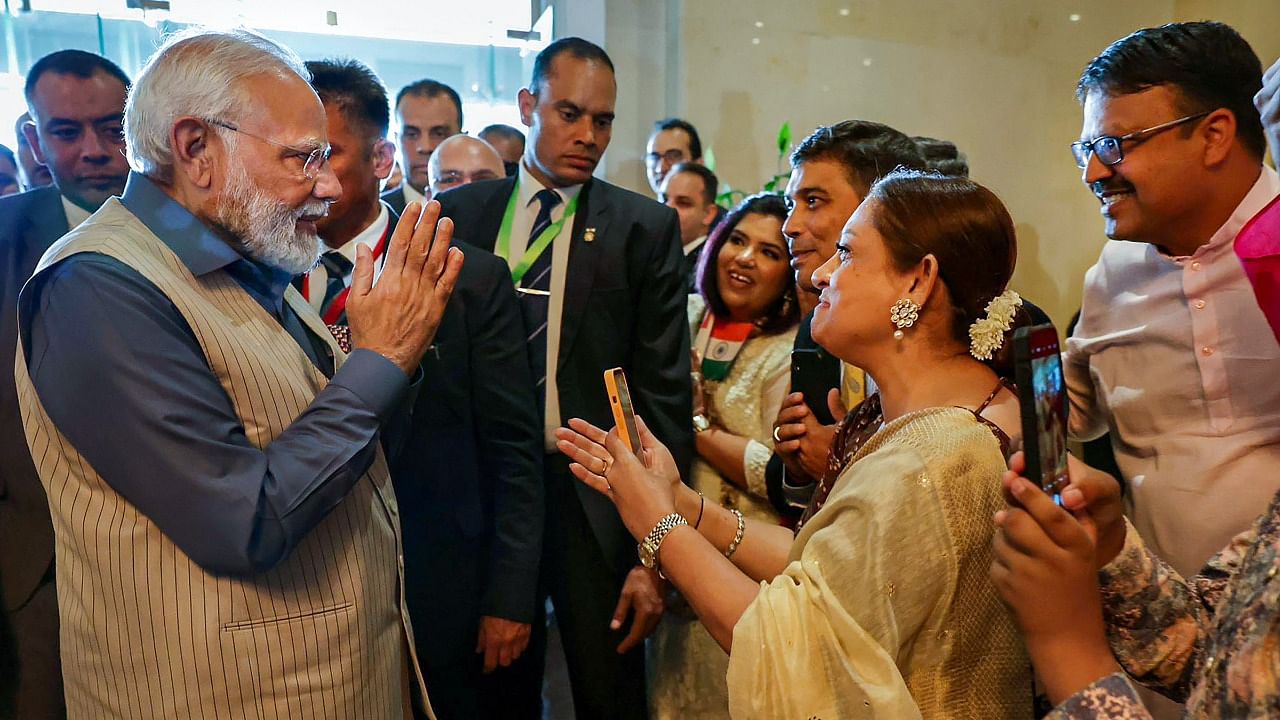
x: 882, y: 612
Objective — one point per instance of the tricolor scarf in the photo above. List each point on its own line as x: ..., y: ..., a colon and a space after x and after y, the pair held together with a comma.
x: 718, y: 343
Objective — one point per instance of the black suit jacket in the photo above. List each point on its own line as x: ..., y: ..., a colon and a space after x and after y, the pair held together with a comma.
x: 394, y: 198
x: 689, y: 265
x: 468, y: 471
x: 624, y: 306
x: 29, y: 223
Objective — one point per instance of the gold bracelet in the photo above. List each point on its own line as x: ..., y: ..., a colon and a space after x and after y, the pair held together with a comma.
x: 737, y: 538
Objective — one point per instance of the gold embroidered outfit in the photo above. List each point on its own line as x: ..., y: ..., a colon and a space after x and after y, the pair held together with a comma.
x: 886, y: 610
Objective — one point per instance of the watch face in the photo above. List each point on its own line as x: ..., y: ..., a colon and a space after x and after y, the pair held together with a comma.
x: 646, y: 554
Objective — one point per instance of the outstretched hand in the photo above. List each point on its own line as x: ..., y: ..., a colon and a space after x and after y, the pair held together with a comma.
x: 643, y: 492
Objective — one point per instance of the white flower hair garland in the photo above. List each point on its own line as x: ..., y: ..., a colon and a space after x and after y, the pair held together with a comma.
x: 986, y: 334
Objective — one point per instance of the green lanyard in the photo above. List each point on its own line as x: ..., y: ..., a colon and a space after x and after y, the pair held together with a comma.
x: 534, y: 251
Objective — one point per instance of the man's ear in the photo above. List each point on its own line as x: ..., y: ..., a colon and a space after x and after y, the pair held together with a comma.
x: 1218, y: 129
x: 191, y: 138
x: 384, y: 158
x: 33, y: 139
x: 709, y: 216
x: 526, y: 100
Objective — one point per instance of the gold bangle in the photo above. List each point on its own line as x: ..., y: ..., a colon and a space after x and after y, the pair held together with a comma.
x: 737, y: 538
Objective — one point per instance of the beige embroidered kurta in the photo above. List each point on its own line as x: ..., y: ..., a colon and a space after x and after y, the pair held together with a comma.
x: 886, y: 610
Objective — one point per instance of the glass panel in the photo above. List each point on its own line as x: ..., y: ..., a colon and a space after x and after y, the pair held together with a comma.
x: 464, y: 45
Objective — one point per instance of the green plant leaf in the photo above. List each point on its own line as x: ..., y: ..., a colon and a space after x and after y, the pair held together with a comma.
x: 709, y: 159
x: 784, y: 139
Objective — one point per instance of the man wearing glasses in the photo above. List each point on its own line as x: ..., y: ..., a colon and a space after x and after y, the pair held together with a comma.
x: 673, y: 141
x: 228, y: 537
x: 1172, y: 353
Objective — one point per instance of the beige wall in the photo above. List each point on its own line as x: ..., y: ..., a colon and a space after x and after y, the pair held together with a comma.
x: 994, y: 76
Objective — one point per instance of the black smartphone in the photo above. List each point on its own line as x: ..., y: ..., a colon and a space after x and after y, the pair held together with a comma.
x: 624, y: 414
x: 1043, y: 396
x: 811, y: 375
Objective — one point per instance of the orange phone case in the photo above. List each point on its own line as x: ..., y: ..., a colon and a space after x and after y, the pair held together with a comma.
x: 624, y: 417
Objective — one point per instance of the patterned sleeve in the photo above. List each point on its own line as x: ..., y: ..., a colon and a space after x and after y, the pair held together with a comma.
x: 1109, y: 698
x: 1157, y: 622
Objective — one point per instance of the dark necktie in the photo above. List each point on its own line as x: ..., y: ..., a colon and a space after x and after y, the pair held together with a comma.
x: 338, y: 267
x: 535, y: 292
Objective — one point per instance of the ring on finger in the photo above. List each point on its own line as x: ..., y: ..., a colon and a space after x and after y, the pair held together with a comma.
x: 776, y: 428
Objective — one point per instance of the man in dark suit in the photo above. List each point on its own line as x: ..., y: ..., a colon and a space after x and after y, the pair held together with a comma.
x: 428, y: 113
x: 76, y: 101
x: 690, y: 190
x: 468, y: 473
x: 600, y: 284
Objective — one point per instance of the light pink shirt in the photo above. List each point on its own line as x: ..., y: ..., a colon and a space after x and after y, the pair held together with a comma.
x: 1174, y: 357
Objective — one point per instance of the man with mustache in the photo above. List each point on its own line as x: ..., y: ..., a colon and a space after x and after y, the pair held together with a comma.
x: 598, y: 270
x: 76, y: 103
x: 1172, y: 353
x: 228, y: 538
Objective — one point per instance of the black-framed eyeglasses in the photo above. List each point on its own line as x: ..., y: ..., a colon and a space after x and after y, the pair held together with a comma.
x: 315, y: 159
x: 1110, y: 148
x: 673, y: 156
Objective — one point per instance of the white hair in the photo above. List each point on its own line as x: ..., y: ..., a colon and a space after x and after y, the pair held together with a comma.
x: 196, y: 72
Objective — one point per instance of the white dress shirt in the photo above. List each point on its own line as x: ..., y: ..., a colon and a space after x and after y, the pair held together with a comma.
x: 75, y: 213
x: 411, y: 194
x: 1175, y: 358
x: 369, y: 237
x: 693, y: 246
x: 522, y: 224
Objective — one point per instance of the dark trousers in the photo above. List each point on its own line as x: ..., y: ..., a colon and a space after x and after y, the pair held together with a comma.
x: 584, y: 586
x: 34, y: 628
x: 461, y: 691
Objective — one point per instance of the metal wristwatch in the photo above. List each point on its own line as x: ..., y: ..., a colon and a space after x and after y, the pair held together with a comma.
x: 648, y: 548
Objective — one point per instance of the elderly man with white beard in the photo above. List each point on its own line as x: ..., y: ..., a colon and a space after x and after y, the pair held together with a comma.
x: 227, y: 537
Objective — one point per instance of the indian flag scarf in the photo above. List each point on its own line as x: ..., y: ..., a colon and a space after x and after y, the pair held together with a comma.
x: 718, y: 343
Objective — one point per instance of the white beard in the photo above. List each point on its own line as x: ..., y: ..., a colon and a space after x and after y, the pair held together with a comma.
x: 267, y: 230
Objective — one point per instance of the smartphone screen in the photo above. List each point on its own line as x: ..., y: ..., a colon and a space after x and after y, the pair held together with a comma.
x: 624, y: 415
x: 1042, y: 395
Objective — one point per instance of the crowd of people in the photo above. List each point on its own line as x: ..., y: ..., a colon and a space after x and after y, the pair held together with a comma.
x: 309, y: 420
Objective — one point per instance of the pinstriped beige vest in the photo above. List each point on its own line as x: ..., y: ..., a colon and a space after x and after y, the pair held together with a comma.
x: 146, y: 633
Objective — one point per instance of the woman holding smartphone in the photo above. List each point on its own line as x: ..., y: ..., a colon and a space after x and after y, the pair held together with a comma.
x: 743, y: 323
x: 879, y: 606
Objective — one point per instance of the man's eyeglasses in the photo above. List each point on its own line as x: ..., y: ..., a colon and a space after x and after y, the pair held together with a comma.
x: 314, y: 159
x: 1110, y: 148
x: 672, y: 156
